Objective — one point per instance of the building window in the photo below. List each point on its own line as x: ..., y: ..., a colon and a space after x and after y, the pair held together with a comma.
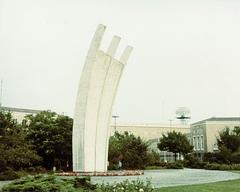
x: 198, y: 143
x: 194, y: 143
x: 202, y: 144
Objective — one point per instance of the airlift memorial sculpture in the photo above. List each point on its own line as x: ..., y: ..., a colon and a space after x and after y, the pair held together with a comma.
x: 96, y: 92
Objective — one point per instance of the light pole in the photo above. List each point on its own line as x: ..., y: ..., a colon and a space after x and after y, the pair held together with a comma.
x: 115, y: 122
x: 170, y: 122
x: 1, y: 90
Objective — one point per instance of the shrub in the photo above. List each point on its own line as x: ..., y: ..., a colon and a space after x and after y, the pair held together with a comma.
x: 162, y: 164
x: 41, y: 183
x: 35, y: 170
x: 166, y: 165
x: 84, y: 183
x: 193, y: 162
x: 130, y: 150
x: 175, y: 165
x: 153, y: 158
x: 219, y: 157
x: 133, y: 186
x: 8, y: 175
x: 236, y: 158
x: 216, y: 166
x: 154, y: 167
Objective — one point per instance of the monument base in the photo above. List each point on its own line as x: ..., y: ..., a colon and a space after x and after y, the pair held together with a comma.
x: 108, y: 173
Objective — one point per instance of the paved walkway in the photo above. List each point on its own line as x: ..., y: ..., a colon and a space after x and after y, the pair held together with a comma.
x: 170, y: 177
x: 174, y: 177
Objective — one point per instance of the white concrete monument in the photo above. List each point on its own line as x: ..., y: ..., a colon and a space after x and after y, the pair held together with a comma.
x: 97, y: 89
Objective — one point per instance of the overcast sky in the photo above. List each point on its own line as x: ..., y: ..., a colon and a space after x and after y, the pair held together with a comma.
x: 186, y: 53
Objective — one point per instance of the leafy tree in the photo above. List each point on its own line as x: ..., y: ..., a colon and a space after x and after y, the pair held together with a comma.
x: 7, y: 123
x: 130, y: 150
x: 153, y: 158
x: 236, y: 131
x: 229, y: 140
x: 51, y: 134
x: 175, y: 142
x: 229, y: 147
x: 15, y: 151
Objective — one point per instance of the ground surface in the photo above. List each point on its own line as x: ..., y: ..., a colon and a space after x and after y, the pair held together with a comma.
x: 168, y: 177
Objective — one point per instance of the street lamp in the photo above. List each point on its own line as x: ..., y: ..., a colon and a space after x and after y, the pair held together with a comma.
x: 170, y: 122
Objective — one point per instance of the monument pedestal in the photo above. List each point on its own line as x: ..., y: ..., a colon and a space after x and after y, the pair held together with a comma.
x: 108, y: 173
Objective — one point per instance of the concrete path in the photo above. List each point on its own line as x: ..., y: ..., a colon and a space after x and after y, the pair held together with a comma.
x: 174, y: 177
x: 170, y: 177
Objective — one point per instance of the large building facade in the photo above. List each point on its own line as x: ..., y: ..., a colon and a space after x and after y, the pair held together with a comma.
x: 19, y: 113
x: 149, y: 131
x: 204, y: 134
x: 152, y: 134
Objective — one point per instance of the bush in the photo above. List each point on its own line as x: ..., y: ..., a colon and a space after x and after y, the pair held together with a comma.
x: 130, y: 150
x: 162, y: 164
x: 223, y: 157
x: 175, y: 165
x: 8, y: 175
x: 41, y: 183
x: 236, y: 158
x: 166, y: 165
x: 154, y: 167
x: 153, y: 158
x: 133, y: 186
x: 84, y: 183
x: 35, y: 170
x: 218, y: 157
x: 193, y: 162
x: 216, y: 166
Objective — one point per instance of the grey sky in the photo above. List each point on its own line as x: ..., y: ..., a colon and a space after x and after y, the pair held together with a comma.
x: 185, y: 54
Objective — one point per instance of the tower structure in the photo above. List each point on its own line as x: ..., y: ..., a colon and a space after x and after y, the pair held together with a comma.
x: 96, y: 92
x: 183, y: 114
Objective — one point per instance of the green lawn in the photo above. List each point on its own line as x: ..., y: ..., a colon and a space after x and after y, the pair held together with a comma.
x: 223, y: 186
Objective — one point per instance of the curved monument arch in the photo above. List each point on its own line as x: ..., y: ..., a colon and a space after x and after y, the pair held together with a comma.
x: 97, y: 89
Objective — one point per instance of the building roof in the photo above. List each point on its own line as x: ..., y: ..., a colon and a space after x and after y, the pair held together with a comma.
x: 150, y: 125
x: 13, y: 109
x: 218, y: 119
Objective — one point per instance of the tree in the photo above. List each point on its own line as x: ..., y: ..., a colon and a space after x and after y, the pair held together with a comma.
x: 236, y: 131
x: 16, y: 152
x: 229, y: 140
x: 130, y: 150
x: 51, y: 135
x: 175, y: 142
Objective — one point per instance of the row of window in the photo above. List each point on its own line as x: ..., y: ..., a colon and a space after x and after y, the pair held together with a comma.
x: 198, y: 143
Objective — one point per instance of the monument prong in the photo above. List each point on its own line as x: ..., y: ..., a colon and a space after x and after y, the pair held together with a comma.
x: 113, y: 46
x: 96, y: 40
x: 126, y: 54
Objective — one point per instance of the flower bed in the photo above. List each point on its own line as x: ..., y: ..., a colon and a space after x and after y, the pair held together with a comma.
x: 109, y: 173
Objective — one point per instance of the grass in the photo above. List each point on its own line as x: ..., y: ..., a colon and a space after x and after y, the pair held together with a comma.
x: 222, y: 186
